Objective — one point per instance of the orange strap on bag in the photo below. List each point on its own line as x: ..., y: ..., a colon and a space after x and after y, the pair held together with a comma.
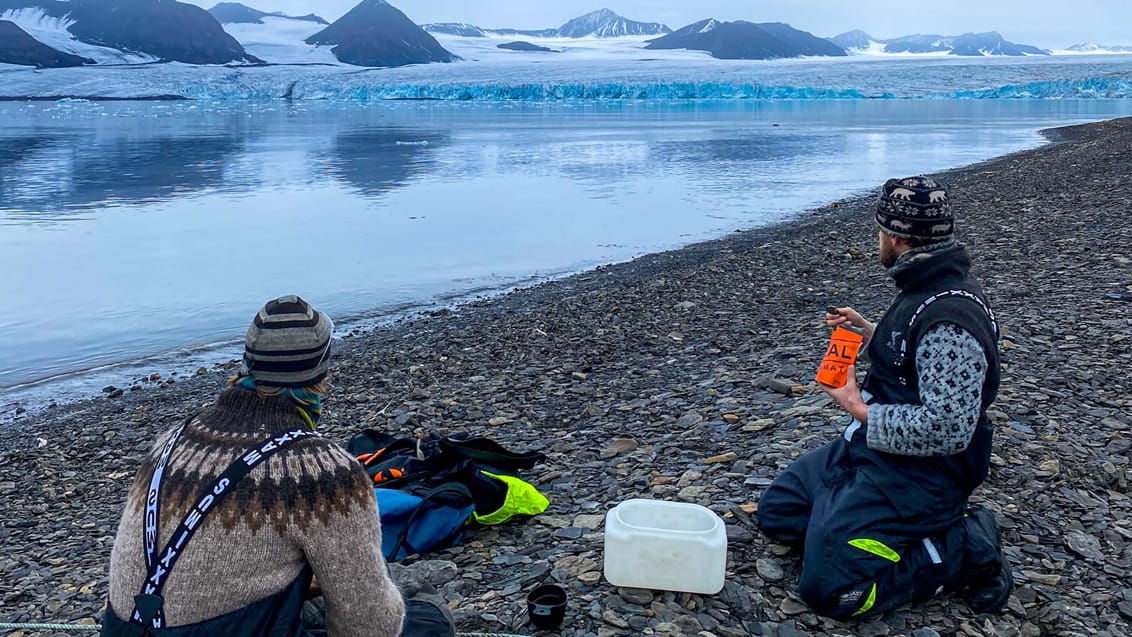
x: 839, y: 356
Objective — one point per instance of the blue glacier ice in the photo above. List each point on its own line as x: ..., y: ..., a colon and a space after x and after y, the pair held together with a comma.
x: 334, y: 90
x: 582, y: 91
x: 1067, y: 77
x: 1090, y: 88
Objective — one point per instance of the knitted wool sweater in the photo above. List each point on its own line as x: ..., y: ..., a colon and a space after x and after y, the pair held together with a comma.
x: 309, y: 504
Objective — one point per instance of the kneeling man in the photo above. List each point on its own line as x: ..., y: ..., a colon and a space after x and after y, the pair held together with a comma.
x: 881, y: 513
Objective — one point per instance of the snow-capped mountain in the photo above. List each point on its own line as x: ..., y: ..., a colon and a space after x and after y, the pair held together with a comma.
x: 455, y: 28
x: 127, y: 30
x: 742, y: 40
x: 236, y: 13
x: 855, y: 41
x: 604, y: 23
x: 990, y: 43
x: 375, y: 33
x: 17, y: 47
x: 967, y: 45
x: 1098, y: 49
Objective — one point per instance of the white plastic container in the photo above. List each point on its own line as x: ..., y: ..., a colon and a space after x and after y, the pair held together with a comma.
x: 667, y: 546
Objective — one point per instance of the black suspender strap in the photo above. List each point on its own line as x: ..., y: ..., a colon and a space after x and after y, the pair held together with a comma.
x: 148, y: 604
x: 902, y: 345
x: 152, y: 503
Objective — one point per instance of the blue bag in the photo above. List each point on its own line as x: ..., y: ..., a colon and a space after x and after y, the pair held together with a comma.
x: 416, y: 524
x: 428, y: 486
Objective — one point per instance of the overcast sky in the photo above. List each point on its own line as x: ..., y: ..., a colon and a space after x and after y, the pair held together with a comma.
x: 1044, y: 23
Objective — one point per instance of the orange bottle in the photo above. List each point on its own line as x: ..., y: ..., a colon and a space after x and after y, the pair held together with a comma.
x: 839, y: 356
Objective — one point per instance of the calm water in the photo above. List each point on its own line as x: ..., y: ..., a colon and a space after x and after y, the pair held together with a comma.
x: 137, y: 230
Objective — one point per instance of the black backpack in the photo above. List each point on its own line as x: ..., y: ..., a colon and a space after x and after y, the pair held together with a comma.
x: 428, y: 486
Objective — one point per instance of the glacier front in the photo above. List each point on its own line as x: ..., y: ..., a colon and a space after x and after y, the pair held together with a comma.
x: 678, y: 75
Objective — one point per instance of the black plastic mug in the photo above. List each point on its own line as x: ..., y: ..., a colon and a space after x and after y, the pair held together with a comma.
x: 546, y: 606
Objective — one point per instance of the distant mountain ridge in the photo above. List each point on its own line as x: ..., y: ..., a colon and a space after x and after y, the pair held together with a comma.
x: 603, y: 23
x: 854, y: 40
x: 164, y: 29
x: 455, y: 28
x: 529, y: 33
x: 966, y: 45
x: 18, y: 47
x: 741, y: 40
x: 1099, y: 48
x: 236, y: 13
x: 375, y: 33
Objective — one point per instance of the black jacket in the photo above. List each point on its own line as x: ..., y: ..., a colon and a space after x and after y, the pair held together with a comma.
x: 935, y: 290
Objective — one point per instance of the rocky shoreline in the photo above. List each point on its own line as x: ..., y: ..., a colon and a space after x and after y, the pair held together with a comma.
x: 686, y: 375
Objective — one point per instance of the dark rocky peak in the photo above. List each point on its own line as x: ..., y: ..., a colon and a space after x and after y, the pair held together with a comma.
x: 375, y: 33
x: 741, y: 40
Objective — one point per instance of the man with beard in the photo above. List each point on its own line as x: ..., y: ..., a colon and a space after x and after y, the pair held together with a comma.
x: 881, y: 513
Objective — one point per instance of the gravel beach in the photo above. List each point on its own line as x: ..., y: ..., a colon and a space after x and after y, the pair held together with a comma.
x: 687, y: 375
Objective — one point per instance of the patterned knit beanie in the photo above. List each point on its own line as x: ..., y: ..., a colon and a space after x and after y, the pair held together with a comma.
x: 288, y: 344
x: 915, y: 208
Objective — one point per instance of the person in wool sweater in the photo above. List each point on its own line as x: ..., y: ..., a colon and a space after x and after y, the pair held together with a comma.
x: 304, y: 509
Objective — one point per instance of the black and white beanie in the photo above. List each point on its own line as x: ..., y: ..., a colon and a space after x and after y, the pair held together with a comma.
x: 915, y: 208
x: 288, y: 344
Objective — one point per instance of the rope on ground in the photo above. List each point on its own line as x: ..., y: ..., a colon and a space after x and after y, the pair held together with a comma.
x: 94, y: 627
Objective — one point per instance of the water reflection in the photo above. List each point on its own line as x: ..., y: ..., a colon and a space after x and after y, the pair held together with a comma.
x: 136, y: 171
x: 53, y: 176
x: 14, y: 150
x: 23, y: 174
x: 745, y: 148
x: 376, y: 160
x: 175, y: 198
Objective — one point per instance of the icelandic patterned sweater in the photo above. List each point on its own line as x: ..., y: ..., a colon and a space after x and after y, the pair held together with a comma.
x: 951, y: 368
x: 309, y: 504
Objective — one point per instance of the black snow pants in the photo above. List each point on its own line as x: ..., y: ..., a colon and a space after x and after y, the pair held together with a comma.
x: 861, y: 554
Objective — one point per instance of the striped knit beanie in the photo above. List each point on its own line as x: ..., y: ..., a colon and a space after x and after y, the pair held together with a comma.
x: 288, y: 344
x: 915, y: 208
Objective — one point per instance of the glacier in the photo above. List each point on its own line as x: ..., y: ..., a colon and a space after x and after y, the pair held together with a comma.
x: 675, y: 76
x: 1091, y: 88
x: 281, y: 40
